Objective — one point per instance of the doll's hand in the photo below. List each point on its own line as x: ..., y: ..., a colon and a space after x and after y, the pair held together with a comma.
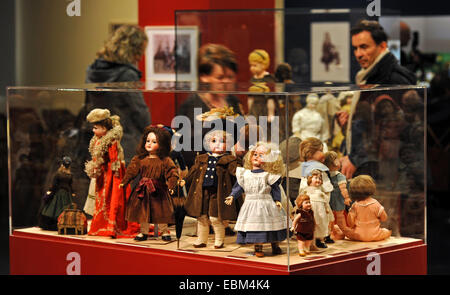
x: 171, y: 191
x: 229, y: 200
x: 49, y: 192
x: 347, y: 201
x: 181, y: 182
x: 74, y: 195
x: 121, y: 185
x: 278, y: 203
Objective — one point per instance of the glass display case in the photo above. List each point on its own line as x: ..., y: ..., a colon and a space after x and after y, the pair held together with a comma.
x: 383, y: 137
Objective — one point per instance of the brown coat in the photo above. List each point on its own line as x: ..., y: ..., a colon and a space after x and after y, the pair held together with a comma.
x: 155, y: 207
x: 226, y: 177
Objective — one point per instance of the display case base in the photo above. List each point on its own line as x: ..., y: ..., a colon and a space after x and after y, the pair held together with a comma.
x: 34, y: 251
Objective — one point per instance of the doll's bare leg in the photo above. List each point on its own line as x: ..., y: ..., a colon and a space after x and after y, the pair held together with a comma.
x: 219, y: 231
x: 202, y: 231
x: 338, y: 228
x: 301, y: 248
x: 307, y: 246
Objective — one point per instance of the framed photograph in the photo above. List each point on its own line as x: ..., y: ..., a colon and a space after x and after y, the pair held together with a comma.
x: 171, y: 53
x: 330, y: 52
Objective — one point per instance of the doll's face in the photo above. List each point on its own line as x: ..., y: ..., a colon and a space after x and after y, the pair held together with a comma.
x: 99, y: 130
x: 306, y: 205
x: 318, y: 156
x: 151, y: 144
x: 258, y: 156
x: 316, y: 181
x: 217, y: 144
x: 257, y: 68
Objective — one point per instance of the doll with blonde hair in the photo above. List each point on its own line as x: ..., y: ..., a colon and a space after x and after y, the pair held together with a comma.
x: 262, y: 218
x: 259, y: 61
x: 210, y: 180
x: 366, y: 214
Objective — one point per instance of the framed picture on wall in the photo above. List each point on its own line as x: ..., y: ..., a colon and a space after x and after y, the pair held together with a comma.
x: 330, y: 52
x: 171, y: 53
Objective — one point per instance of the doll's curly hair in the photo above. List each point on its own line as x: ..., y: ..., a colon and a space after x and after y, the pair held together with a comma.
x: 274, y: 163
x: 300, y: 199
x: 162, y: 136
x: 361, y: 187
x: 125, y: 45
x: 309, y: 147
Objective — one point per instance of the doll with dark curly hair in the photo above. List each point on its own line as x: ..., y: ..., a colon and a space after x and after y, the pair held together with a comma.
x: 150, y: 201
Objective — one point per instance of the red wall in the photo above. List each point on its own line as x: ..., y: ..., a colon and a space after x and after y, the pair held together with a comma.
x: 242, y: 32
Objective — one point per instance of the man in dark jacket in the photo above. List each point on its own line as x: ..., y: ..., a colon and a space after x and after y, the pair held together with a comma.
x: 378, y: 66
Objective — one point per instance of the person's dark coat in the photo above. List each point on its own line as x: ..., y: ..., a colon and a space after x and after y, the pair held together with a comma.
x: 388, y: 71
x: 226, y: 177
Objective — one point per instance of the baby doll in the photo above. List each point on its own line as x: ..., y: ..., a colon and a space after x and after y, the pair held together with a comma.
x: 58, y: 197
x: 312, y: 157
x: 150, y: 201
x: 303, y: 224
x: 339, y: 196
x: 321, y: 208
x: 261, y: 218
x: 211, y: 179
x: 259, y: 61
x: 366, y: 213
x: 107, y: 167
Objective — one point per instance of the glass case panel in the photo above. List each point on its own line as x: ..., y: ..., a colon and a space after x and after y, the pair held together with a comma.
x: 383, y: 138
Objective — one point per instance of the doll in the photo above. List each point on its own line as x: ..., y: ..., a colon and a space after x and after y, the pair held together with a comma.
x: 345, y: 101
x: 259, y: 61
x: 303, y: 224
x: 211, y: 179
x: 308, y: 122
x: 339, y: 196
x: 312, y: 157
x: 107, y: 167
x: 58, y: 197
x: 321, y: 207
x: 261, y: 218
x: 149, y: 201
x: 366, y: 213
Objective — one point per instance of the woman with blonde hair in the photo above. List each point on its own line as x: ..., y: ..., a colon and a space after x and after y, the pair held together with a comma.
x: 117, y: 61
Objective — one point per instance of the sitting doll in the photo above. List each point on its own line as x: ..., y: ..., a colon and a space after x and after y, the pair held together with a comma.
x: 58, y: 197
x: 150, y: 201
x: 303, y: 224
x: 321, y: 207
x: 259, y: 61
x: 261, y: 218
x: 339, y: 196
x: 366, y: 213
x: 312, y: 157
x: 211, y: 179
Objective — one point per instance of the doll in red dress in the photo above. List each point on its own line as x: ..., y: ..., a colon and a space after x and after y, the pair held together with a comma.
x: 107, y: 167
x: 150, y: 201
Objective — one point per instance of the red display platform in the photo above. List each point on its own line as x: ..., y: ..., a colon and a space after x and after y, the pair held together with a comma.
x: 33, y: 254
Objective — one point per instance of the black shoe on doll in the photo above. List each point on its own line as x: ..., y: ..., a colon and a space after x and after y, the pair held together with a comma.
x: 141, y: 237
x: 328, y: 240
x: 320, y: 244
x: 166, y: 238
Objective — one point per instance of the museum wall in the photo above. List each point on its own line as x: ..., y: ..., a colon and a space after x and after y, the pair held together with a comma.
x: 54, y: 48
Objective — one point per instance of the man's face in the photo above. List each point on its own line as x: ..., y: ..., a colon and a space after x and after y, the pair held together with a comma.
x: 365, y: 48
